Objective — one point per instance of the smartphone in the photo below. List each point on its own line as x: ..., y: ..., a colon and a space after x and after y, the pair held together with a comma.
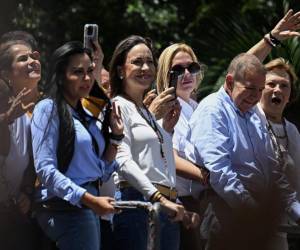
x: 90, y: 34
x: 173, y: 80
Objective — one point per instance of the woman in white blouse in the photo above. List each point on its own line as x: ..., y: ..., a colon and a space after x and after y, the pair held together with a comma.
x: 147, y: 168
x: 179, y: 63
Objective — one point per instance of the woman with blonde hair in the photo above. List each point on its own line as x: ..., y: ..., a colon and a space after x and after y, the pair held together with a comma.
x: 179, y: 66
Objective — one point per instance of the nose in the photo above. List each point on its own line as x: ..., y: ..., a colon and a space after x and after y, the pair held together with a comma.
x: 186, y: 71
x: 277, y: 88
x: 145, y: 66
x: 86, y: 77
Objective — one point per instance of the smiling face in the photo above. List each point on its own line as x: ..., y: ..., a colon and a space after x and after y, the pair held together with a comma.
x: 79, y: 78
x: 277, y: 92
x: 186, y: 83
x: 25, y: 70
x: 139, y: 70
x: 247, y: 92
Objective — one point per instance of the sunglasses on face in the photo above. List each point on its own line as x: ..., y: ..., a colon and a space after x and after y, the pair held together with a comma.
x: 179, y: 70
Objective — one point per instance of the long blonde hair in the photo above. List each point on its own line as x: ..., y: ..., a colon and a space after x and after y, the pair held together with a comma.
x: 165, y: 63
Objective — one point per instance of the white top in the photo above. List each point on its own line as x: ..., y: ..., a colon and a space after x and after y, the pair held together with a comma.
x: 13, y: 166
x: 184, y: 186
x: 139, y: 155
x: 291, y: 153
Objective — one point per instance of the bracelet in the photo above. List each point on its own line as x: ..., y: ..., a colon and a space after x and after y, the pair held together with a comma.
x: 116, y: 137
x: 156, y: 197
x: 268, y: 41
x: 274, y: 40
x: 115, y: 142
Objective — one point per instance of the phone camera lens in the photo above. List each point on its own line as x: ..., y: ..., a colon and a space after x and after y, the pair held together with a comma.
x: 90, y: 30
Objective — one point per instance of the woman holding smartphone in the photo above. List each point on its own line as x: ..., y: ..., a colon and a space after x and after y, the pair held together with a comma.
x: 145, y: 156
x: 178, y: 65
x: 73, y: 152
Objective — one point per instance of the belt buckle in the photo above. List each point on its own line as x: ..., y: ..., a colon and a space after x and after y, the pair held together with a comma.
x: 173, y: 193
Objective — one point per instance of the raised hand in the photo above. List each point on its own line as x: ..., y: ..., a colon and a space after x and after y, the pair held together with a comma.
x: 17, y: 107
x: 171, y: 118
x: 149, y: 97
x: 115, y: 120
x: 163, y: 103
x: 98, y: 57
x: 287, y: 27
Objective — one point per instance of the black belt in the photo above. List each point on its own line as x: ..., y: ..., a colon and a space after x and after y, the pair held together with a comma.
x: 58, y: 204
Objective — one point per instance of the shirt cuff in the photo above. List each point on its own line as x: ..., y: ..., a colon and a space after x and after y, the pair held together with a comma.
x: 150, y: 192
x: 77, y: 195
x: 294, y: 210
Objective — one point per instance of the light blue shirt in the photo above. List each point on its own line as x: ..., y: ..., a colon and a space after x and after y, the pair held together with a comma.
x: 234, y: 147
x: 85, y: 165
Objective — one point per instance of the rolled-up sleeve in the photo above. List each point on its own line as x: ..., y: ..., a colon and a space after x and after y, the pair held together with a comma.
x: 45, y: 132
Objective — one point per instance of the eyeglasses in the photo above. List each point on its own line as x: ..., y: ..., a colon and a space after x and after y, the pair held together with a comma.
x: 193, y: 68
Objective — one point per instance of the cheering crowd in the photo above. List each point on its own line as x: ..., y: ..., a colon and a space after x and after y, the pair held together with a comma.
x: 226, y: 169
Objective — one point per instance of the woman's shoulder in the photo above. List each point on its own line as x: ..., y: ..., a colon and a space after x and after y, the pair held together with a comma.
x: 125, y: 105
x: 292, y: 129
x: 45, y: 106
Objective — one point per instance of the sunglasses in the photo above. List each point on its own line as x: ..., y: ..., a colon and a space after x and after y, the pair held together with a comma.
x: 193, y: 68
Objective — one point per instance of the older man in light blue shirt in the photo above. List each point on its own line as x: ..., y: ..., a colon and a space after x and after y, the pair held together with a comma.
x: 227, y: 137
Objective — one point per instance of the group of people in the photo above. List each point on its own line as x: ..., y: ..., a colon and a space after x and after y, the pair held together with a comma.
x: 208, y: 164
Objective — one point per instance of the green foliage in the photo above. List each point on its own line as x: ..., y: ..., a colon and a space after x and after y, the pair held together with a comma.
x: 217, y: 30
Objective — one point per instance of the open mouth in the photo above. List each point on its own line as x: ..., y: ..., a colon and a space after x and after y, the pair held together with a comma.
x: 276, y: 100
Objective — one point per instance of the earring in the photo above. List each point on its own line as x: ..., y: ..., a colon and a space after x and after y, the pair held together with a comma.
x: 121, y: 77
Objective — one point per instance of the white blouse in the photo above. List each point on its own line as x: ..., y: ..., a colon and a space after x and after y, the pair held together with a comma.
x: 185, y: 187
x: 139, y: 155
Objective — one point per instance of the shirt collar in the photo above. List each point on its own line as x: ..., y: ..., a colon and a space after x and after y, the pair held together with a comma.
x: 187, y: 107
x: 76, y: 115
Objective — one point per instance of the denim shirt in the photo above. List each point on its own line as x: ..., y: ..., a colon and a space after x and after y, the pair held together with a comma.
x: 85, y: 166
x: 235, y: 148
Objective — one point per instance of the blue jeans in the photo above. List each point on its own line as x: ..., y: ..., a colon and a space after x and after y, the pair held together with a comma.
x: 131, y: 226
x: 74, y: 229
